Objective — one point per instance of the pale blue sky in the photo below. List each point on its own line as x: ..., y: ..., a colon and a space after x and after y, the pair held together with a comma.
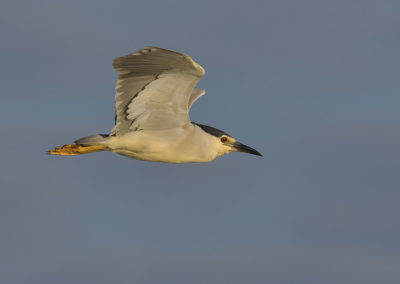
x: 313, y: 85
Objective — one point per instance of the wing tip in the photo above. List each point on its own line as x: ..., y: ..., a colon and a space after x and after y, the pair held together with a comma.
x: 119, y: 63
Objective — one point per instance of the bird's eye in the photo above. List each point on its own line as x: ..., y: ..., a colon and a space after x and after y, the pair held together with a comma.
x: 224, y: 139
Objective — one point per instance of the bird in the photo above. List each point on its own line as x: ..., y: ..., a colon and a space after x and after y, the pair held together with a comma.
x: 155, y: 90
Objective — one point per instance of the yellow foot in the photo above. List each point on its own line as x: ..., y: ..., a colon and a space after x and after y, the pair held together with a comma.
x: 72, y: 149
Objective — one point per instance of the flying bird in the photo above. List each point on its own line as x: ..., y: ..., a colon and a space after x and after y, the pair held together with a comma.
x: 155, y: 90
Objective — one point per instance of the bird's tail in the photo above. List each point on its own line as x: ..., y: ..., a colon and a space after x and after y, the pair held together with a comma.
x: 83, y: 145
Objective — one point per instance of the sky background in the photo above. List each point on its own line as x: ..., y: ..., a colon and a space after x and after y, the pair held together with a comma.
x: 313, y: 85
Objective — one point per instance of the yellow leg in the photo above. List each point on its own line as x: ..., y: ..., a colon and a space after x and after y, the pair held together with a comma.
x: 72, y: 149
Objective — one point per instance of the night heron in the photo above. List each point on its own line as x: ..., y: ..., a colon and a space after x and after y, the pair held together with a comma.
x: 154, y: 93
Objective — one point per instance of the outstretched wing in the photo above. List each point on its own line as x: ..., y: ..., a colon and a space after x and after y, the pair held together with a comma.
x: 155, y: 89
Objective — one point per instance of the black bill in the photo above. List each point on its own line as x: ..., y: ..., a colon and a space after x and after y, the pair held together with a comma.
x: 246, y: 149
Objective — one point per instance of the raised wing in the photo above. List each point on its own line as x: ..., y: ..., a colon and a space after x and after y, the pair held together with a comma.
x: 155, y: 89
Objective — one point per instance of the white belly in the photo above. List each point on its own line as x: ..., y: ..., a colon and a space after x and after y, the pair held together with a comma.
x: 169, y: 146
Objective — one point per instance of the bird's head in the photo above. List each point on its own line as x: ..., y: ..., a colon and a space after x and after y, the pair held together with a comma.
x: 224, y: 143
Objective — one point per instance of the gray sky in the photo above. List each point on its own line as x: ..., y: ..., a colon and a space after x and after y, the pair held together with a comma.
x: 313, y: 85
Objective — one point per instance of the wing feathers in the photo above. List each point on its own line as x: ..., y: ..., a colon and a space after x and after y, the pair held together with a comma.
x: 197, y: 93
x: 127, y: 90
x: 155, y: 60
x: 155, y: 89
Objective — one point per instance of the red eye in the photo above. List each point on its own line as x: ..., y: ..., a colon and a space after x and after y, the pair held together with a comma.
x: 224, y: 139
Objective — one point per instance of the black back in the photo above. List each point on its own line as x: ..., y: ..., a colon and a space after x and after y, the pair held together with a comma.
x: 211, y: 130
